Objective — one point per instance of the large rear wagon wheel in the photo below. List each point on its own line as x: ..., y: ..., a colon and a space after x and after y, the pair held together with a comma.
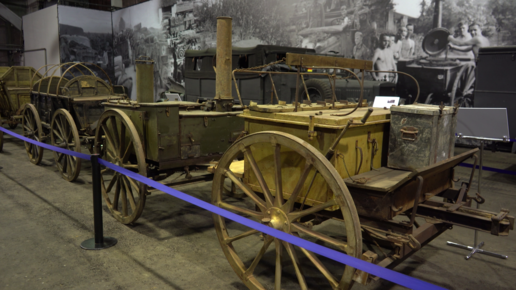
x: 32, y: 130
x: 118, y: 142
x: 64, y: 134
x: 291, y: 163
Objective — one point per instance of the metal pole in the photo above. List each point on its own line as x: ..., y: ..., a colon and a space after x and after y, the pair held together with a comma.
x: 479, y: 179
x: 99, y: 242
x: 97, y: 202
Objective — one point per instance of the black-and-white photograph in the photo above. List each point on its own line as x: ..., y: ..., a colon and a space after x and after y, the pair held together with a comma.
x: 390, y: 33
x: 85, y: 35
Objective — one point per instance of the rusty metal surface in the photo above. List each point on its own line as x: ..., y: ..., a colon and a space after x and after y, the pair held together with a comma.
x: 498, y: 224
x: 421, y: 135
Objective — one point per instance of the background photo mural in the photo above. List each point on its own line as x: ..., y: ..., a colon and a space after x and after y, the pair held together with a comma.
x: 377, y: 30
x: 85, y: 35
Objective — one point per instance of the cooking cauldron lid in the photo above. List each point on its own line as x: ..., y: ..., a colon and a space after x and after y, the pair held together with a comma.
x: 436, y: 41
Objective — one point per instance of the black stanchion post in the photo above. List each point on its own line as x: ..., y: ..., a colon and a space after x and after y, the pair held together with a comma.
x: 99, y: 242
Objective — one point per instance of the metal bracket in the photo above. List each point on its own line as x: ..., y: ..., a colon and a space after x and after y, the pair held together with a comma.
x: 311, y: 128
x: 495, y: 226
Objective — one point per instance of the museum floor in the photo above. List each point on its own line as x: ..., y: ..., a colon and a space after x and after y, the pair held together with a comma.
x: 44, y: 219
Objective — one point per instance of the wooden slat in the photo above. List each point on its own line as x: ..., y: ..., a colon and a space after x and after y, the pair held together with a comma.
x: 327, y: 61
x: 383, y: 179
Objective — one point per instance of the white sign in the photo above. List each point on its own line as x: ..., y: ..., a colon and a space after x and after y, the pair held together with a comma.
x: 385, y: 102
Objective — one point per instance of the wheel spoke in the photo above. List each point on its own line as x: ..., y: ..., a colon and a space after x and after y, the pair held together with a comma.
x: 124, y: 197
x: 110, y: 155
x: 340, y: 244
x: 295, y: 261
x: 112, y: 182
x: 114, y: 131
x: 108, y: 137
x: 69, y: 162
x: 266, y: 243
x: 130, y: 166
x: 299, y: 214
x: 289, y: 205
x: 122, y: 138
x: 133, y: 183
x: 27, y: 129
x: 58, y: 135
x: 126, y: 156
x: 277, y: 277
x: 277, y: 166
x: 259, y: 202
x: 117, y: 194
x: 230, y: 240
x: 259, y: 176
x: 60, y: 129
x: 320, y: 266
x: 129, y: 194
x: 245, y: 211
x: 60, y: 157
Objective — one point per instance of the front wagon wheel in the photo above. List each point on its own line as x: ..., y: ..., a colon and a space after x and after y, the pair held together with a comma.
x: 278, y: 174
x: 64, y: 134
x: 118, y: 142
x: 32, y: 129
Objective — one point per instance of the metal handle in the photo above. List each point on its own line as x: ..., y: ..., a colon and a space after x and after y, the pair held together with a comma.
x: 409, y: 133
x: 366, y: 116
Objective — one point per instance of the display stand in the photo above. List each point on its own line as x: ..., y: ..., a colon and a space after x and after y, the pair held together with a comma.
x: 493, y: 126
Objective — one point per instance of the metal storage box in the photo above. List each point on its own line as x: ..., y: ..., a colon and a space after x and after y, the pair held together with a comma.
x: 421, y: 135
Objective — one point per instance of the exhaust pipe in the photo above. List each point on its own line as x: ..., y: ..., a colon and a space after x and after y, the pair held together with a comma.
x: 144, y: 80
x: 223, y: 97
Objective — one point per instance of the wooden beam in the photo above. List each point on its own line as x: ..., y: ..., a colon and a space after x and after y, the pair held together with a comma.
x: 309, y: 60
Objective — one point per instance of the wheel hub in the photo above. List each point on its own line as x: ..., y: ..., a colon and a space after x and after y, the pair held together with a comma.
x: 279, y: 220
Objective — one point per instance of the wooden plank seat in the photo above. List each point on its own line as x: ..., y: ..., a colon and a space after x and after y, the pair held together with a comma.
x: 387, y: 179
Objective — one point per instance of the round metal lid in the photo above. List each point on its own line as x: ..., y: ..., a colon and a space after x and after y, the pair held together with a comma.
x: 436, y: 41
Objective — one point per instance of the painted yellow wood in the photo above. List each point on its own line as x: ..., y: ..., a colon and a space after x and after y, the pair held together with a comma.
x: 358, y: 136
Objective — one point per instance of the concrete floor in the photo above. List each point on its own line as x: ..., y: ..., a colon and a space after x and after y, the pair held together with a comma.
x: 44, y: 219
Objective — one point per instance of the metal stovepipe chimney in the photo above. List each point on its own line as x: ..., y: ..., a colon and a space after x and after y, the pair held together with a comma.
x: 223, y: 96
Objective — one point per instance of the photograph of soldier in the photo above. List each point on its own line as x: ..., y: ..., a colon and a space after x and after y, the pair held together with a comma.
x: 473, y: 44
x: 383, y: 60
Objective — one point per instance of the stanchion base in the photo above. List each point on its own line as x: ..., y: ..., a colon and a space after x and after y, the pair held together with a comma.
x: 90, y: 244
x: 476, y: 249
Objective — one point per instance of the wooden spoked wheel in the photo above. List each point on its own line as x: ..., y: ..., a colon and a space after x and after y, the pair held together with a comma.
x: 118, y: 142
x: 32, y: 130
x: 285, y: 162
x: 64, y: 134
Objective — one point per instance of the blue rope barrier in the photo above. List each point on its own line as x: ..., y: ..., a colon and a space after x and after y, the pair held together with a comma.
x: 46, y: 146
x: 387, y: 274
x: 503, y: 171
